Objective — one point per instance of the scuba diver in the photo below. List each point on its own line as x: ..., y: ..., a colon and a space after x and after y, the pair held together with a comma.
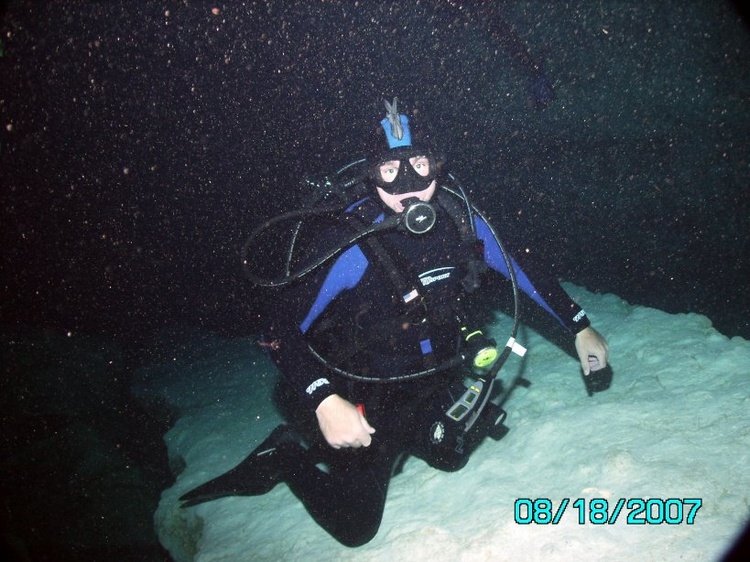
x: 374, y: 338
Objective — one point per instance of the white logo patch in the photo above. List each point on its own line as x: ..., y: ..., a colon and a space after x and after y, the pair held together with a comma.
x: 316, y: 385
x: 434, y: 275
x: 437, y: 432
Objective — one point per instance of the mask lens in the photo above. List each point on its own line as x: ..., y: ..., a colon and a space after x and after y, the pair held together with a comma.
x: 388, y: 171
x: 421, y: 165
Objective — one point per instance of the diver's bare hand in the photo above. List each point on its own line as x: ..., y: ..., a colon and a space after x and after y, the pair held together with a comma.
x: 592, y: 349
x: 342, y: 423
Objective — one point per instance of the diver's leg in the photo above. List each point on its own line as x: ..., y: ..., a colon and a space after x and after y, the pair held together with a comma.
x: 345, y: 492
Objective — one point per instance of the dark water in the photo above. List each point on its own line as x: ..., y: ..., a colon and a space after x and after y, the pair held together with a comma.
x: 141, y: 142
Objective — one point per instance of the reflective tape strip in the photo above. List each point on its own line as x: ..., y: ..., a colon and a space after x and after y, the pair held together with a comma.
x: 516, y: 347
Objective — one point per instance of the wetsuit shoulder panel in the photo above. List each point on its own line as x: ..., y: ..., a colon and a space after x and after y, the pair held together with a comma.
x: 345, y: 273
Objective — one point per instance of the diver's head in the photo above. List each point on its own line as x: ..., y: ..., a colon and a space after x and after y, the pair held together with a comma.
x: 403, y: 171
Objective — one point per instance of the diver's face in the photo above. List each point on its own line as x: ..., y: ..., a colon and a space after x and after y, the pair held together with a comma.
x: 389, y: 173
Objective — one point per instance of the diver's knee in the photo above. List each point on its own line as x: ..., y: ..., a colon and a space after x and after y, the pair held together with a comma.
x: 355, y: 537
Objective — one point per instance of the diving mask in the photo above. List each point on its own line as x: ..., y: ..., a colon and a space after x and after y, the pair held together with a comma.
x: 404, y: 171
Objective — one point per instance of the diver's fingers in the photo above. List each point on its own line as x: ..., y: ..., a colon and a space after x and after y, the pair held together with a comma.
x: 365, y: 424
x: 593, y: 364
x: 365, y: 439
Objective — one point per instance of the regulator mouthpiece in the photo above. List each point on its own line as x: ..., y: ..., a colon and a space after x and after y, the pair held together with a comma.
x: 418, y: 217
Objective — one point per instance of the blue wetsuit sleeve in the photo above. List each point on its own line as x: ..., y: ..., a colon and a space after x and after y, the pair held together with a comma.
x: 549, y: 295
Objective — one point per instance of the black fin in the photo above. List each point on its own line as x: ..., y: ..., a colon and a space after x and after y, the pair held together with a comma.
x: 258, y: 474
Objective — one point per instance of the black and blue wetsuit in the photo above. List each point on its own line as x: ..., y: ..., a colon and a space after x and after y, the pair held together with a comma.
x: 357, y: 296
x: 355, y: 311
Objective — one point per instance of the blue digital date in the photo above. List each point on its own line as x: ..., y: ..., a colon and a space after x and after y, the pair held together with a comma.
x: 598, y: 511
